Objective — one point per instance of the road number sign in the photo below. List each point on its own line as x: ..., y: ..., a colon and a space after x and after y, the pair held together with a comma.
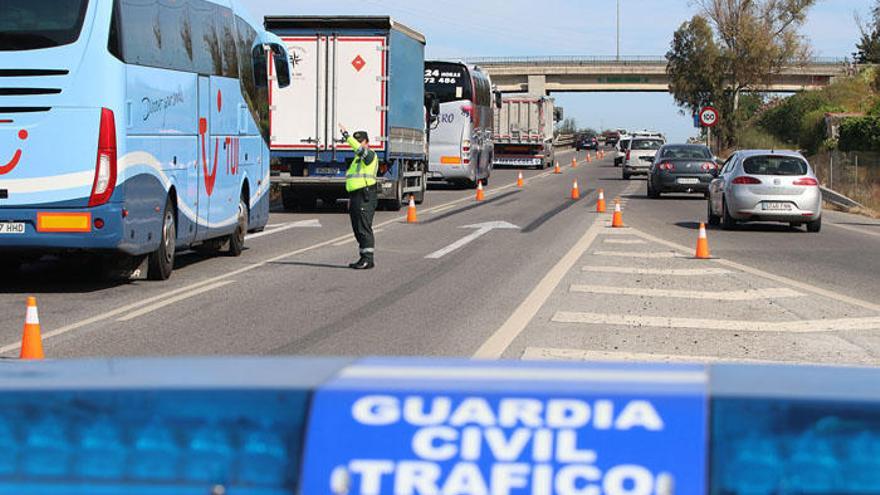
x: 708, y: 117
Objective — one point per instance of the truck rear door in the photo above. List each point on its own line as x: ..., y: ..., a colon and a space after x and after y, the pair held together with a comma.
x: 360, y: 98
x: 295, y: 117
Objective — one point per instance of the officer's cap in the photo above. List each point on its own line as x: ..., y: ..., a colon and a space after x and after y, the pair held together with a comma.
x: 361, y: 136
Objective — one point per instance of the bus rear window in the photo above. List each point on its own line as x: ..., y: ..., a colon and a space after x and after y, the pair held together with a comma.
x: 35, y: 24
x: 775, y: 165
x: 450, y: 82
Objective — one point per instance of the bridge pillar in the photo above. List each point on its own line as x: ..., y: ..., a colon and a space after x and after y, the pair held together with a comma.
x: 537, y: 85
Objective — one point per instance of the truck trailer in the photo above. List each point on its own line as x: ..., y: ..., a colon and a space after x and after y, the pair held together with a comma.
x: 524, y: 132
x: 364, y: 73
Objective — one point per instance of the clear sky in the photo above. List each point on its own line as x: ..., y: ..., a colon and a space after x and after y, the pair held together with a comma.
x: 472, y: 28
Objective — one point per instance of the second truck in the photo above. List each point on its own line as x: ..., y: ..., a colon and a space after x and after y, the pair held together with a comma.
x: 524, y: 131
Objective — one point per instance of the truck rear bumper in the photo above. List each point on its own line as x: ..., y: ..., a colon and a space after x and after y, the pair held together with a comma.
x: 328, y: 186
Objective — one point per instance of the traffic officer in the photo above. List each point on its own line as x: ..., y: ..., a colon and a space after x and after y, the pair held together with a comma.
x: 360, y: 182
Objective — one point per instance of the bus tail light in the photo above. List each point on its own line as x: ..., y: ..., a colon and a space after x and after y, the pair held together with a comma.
x: 105, y: 166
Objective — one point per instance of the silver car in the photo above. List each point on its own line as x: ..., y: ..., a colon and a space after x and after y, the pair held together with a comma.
x: 771, y: 186
x: 640, y: 155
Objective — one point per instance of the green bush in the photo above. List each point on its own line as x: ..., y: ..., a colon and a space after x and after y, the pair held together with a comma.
x: 860, y: 134
x: 784, y: 120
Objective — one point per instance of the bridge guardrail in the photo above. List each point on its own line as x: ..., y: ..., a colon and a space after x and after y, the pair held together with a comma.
x: 601, y: 59
x: 405, y: 426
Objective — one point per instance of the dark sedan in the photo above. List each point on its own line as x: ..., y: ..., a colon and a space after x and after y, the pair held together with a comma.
x: 587, y: 143
x: 682, y: 168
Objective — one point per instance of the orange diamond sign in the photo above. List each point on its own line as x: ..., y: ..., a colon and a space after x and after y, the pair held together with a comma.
x: 358, y: 63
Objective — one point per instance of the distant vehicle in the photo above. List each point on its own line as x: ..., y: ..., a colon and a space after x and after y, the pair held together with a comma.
x: 343, y: 74
x: 620, y: 150
x: 462, y: 144
x: 611, y: 137
x: 587, y: 143
x: 524, y: 132
x: 640, y: 155
x: 681, y: 168
x: 767, y: 186
x: 130, y: 143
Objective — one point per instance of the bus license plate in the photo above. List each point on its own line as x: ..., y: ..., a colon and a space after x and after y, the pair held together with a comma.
x: 12, y: 228
x: 777, y: 206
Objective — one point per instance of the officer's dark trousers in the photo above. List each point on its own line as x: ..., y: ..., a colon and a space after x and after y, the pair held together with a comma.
x: 361, y: 208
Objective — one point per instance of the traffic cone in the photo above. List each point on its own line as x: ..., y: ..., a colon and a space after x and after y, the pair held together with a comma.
x: 574, y: 162
x: 702, y: 244
x: 575, y: 192
x: 617, y: 219
x: 31, y: 341
x: 480, y: 194
x: 411, y: 216
x: 589, y: 158
x: 556, y: 169
x: 519, y: 180
x: 600, y: 204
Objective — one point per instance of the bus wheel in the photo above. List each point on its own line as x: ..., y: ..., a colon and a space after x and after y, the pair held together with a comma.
x: 162, y: 260
x: 236, y: 239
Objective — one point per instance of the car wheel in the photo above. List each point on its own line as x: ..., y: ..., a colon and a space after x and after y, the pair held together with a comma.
x: 626, y: 175
x: 652, y: 193
x: 815, y: 225
x: 236, y: 238
x: 713, y: 219
x: 161, y: 261
x: 727, y: 221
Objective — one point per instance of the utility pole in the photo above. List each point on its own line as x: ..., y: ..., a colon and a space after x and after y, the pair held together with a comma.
x: 618, y: 30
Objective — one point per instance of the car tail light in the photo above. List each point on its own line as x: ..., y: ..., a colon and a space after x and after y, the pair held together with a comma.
x: 806, y: 181
x: 105, y: 165
x: 746, y: 180
x: 668, y: 166
x: 627, y: 155
x: 708, y: 167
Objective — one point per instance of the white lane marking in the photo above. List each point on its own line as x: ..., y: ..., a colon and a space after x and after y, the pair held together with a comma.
x: 730, y: 295
x: 482, y: 229
x: 634, y: 254
x: 479, y: 373
x: 624, y: 241
x: 106, y: 315
x: 352, y: 238
x: 803, y: 326
x: 498, y: 342
x: 554, y: 354
x: 855, y: 229
x: 769, y: 276
x: 684, y: 272
x: 302, y: 224
x: 175, y: 299
x: 440, y: 210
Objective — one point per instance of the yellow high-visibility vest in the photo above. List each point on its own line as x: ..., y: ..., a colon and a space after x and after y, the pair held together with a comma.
x: 359, y: 174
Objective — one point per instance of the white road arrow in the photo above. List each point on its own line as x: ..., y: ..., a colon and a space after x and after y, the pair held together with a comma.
x: 482, y: 229
x: 302, y: 224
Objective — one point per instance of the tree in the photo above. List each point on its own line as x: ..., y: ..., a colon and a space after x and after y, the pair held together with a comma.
x: 733, y: 47
x: 868, y: 48
x: 568, y: 126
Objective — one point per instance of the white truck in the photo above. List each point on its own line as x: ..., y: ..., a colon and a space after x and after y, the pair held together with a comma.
x: 524, y: 131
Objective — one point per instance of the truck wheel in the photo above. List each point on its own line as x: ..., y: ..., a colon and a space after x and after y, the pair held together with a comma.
x: 306, y: 202
x: 420, y: 196
x: 395, y: 203
x: 161, y: 261
x: 288, y: 199
x: 236, y: 238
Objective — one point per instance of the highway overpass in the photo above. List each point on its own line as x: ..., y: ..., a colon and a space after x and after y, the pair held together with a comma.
x: 543, y: 75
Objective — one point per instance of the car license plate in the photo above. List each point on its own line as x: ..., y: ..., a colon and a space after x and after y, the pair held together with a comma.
x: 688, y: 180
x: 325, y: 171
x: 12, y: 228
x: 777, y: 206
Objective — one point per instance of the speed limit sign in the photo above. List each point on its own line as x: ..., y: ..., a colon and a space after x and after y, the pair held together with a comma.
x: 708, y: 117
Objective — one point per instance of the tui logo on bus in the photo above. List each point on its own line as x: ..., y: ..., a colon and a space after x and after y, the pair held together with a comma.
x: 358, y: 63
x: 16, y: 157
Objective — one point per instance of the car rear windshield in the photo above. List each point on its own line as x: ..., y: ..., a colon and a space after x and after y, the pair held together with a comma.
x: 646, y: 144
x: 34, y: 24
x: 775, y: 165
x: 450, y: 82
x: 687, y: 153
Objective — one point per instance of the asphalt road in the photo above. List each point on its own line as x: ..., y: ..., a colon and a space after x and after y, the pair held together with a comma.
x: 561, y: 285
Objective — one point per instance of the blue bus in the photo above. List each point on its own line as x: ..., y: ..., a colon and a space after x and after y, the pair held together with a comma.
x: 133, y: 128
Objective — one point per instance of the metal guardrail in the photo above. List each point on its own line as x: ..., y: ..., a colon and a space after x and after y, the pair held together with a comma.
x: 610, y: 59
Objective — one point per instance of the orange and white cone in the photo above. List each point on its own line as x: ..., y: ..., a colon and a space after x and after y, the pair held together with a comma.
x: 600, y: 204
x: 589, y: 158
x: 574, y: 162
x: 617, y: 219
x: 575, y: 191
x: 556, y: 169
x: 411, y: 216
x: 31, y: 340
x: 519, y: 180
x: 702, y: 244
x: 480, y: 194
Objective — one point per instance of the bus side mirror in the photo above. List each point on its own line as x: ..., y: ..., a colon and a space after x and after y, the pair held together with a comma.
x: 282, y: 65
x: 498, y: 99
